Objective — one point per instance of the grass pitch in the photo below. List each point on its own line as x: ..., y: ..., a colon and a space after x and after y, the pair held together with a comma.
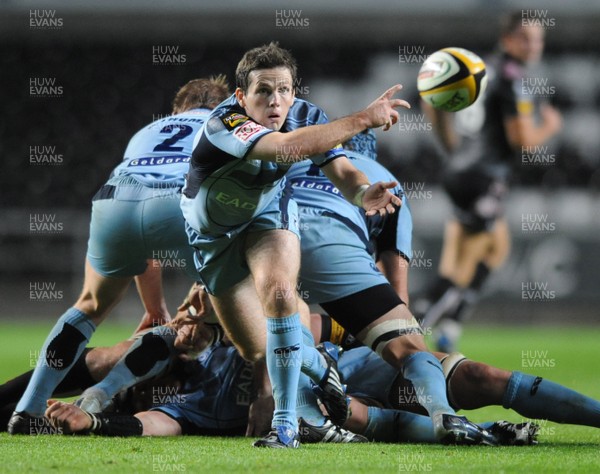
x: 567, y: 356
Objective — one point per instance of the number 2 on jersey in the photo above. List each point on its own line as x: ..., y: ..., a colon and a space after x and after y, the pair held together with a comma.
x: 167, y: 145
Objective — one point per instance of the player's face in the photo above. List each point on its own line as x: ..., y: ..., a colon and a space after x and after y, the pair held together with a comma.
x: 269, y: 96
x: 526, y: 43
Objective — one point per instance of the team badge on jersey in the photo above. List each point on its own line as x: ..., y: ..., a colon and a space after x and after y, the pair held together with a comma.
x: 233, y: 120
x: 246, y: 131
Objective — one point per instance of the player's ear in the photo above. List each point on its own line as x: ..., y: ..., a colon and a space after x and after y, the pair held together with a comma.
x: 240, y: 97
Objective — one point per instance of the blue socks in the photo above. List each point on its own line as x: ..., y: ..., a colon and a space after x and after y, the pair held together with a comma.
x: 307, y: 405
x: 284, y: 361
x: 540, y: 399
x: 148, y: 357
x: 60, y: 351
x: 427, y: 376
x: 395, y: 426
x: 313, y: 363
x: 314, y: 366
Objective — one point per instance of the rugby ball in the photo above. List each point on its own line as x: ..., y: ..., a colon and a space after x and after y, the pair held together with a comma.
x: 451, y: 79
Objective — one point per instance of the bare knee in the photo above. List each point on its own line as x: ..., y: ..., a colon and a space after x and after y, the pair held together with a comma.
x: 101, y: 360
x: 251, y: 354
x: 402, y: 347
x: 277, y: 293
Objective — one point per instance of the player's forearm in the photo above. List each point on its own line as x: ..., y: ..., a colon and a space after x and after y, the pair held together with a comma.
x: 345, y: 177
x: 300, y: 144
x: 443, y: 125
x: 522, y: 132
x: 534, y: 137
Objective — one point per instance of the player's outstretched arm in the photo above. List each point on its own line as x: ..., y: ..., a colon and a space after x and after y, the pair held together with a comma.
x: 315, y: 139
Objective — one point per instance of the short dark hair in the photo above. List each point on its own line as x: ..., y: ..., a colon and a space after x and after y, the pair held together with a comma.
x: 511, y: 22
x: 201, y: 93
x: 264, y: 57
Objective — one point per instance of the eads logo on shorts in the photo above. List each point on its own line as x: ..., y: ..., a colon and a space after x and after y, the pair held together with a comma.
x: 233, y: 201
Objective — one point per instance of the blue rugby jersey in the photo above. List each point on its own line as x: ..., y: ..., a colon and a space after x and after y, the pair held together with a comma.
x: 224, y: 189
x: 312, y: 189
x: 159, y: 154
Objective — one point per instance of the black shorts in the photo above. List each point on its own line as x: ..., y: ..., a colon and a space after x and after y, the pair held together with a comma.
x: 477, y: 193
x: 355, y: 312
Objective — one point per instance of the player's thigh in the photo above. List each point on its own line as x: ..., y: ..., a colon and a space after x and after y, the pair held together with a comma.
x: 241, y: 314
x: 395, y: 268
x: 453, y: 236
x: 395, y: 335
x: 500, y: 244
x: 473, y: 250
x: 273, y: 252
x: 150, y: 289
x: 462, y: 252
x: 273, y: 257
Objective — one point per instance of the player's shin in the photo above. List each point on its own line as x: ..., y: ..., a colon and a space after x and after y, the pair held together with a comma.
x: 313, y: 363
x: 307, y: 405
x: 538, y: 398
x: 78, y: 378
x: 62, y: 348
x: 398, y: 341
x: 395, y: 426
x: 147, y: 357
x: 284, y: 360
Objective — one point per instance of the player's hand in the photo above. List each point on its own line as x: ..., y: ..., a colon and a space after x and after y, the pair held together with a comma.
x: 382, y: 110
x: 378, y: 200
x: 67, y: 417
x: 193, y: 338
x: 260, y: 416
x: 192, y: 335
x: 196, y: 302
x: 149, y: 322
x: 551, y: 118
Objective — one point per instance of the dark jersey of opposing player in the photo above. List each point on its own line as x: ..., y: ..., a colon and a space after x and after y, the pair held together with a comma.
x: 224, y: 189
x: 482, y: 125
x: 478, y: 172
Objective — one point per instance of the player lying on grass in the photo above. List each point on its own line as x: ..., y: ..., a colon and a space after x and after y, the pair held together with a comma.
x: 470, y: 385
x: 222, y: 373
x: 210, y: 394
x: 214, y: 399
x: 135, y: 217
x: 205, y: 406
